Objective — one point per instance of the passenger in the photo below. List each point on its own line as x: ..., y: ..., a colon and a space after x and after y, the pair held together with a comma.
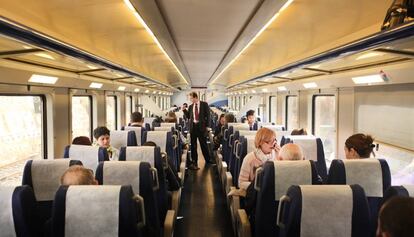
x: 136, y: 120
x: 102, y: 136
x: 78, y: 175
x: 291, y: 151
x: 267, y: 149
x: 251, y: 119
x: 396, y: 218
x: 171, y: 117
x: 228, y: 118
x: 171, y: 175
x: 220, y: 124
x: 82, y: 140
x: 359, y: 146
x: 301, y: 131
x: 186, y: 114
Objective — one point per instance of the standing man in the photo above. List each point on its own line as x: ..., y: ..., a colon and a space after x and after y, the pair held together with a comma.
x: 199, y: 119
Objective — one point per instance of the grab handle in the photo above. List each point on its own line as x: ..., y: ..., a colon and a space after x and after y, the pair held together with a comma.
x: 281, y: 210
x: 140, y: 201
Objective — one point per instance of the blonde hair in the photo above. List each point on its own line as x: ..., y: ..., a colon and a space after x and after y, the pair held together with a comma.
x: 291, y: 151
x: 262, y: 136
x: 77, y: 175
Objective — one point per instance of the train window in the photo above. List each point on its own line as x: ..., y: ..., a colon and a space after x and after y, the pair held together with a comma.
x: 128, y: 108
x: 111, y: 112
x: 272, y: 109
x: 324, y: 122
x: 292, y: 113
x: 22, y: 137
x: 81, y: 116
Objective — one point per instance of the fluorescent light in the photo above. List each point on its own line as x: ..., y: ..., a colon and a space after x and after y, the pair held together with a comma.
x: 254, y: 38
x: 310, y: 85
x: 146, y: 91
x: 44, y: 55
x: 265, y: 90
x: 369, y: 55
x: 315, y: 66
x: 282, y: 88
x: 26, y: 47
x: 368, y: 79
x: 159, y: 92
x: 253, y: 91
x: 43, y: 79
x: 121, y: 88
x: 245, y: 92
x: 136, y: 90
x: 154, y: 92
x: 95, y: 85
x: 91, y: 67
x: 129, y: 5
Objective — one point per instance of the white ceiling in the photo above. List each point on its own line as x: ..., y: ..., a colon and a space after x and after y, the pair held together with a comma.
x: 204, y: 31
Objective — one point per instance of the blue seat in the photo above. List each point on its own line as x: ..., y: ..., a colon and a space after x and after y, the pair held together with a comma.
x: 90, y: 156
x: 151, y: 155
x: 273, y: 181
x: 243, y: 147
x: 163, y: 139
x: 43, y: 176
x: 313, y: 150
x: 373, y: 175
x: 323, y: 211
x: 97, y: 210
x: 401, y: 191
x: 139, y: 131
x: 18, y: 212
x: 140, y: 176
x: 120, y: 138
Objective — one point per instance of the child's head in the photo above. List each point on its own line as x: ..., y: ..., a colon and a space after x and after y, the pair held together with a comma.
x: 102, y: 136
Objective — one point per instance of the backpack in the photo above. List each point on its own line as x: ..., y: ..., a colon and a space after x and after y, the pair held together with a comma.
x: 401, y: 11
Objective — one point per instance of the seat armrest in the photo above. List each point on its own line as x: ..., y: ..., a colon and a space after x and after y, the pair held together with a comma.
x: 229, y: 182
x: 243, y: 224
x: 169, y: 223
x: 184, y: 156
x: 175, y: 202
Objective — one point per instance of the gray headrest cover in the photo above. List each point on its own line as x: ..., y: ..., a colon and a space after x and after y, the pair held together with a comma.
x: 247, y: 133
x: 159, y: 137
x: 289, y: 173
x: 88, y: 155
x: 367, y: 173
x: 92, y: 210
x: 46, y: 176
x: 410, y: 189
x: 119, y: 139
x: 250, y: 144
x: 308, y: 145
x: 239, y: 127
x: 167, y: 125
x: 137, y: 131
x: 141, y: 153
x: 162, y: 128
x: 122, y: 173
x: 6, y: 212
x: 326, y: 211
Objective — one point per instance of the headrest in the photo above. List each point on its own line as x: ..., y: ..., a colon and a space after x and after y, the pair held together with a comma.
x: 367, y: 173
x: 274, y: 127
x: 99, y: 211
x: 338, y: 199
x: 6, y: 211
x: 166, y: 128
x: 261, y: 124
x: 168, y: 125
x: 280, y: 134
x: 308, y: 145
x: 88, y: 155
x: 138, y: 133
x: 234, y: 124
x: 119, y: 138
x: 149, y: 121
x: 289, y: 173
x: 159, y: 137
x: 140, y: 153
x: 250, y: 143
x: 122, y: 173
x: 410, y: 189
x: 247, y: 133
x: 239, y: 127
x: 46, y: 176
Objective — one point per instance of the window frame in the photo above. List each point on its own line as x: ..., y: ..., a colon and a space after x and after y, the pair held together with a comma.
x: 270, y: 108
x: 91, y: 112
x: 287, y: 109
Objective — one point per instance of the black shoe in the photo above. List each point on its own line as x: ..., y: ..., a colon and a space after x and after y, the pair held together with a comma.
x: 193, y: 167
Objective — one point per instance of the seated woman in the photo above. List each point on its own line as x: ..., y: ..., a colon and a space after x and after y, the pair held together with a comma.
x: 102, y: 136
x: 359, y: 146
x: 173, y: 181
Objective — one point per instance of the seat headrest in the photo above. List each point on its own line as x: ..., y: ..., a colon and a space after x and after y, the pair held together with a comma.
x: 239, y: 127
x: 45, y: 176
x: 367, y: 173
x: 308, y: 144
x: 288, y: 173
x: 159, y: 137
x: 99, y: 215
x: 410, y: 189
x: 274, y: 127
x: 6, y: 211
x: 122, y: 173
x: 165, y: 128
x: 250, y: 143
x: 138, y: 133
x: 280, y: 134
x: 119, y: 138
x: 168, y: 125
x: 141, y: 153
x: 247, y: 133
x: 88, y: 155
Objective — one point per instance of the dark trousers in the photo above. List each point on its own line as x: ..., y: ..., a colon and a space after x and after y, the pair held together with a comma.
x: 197, y: 132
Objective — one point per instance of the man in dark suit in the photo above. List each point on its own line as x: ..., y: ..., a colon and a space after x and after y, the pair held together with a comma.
x: 199, y: 119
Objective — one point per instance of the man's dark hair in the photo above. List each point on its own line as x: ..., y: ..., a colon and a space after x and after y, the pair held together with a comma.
x: 194, y: 94
x: 100, y: 131
x: 82, y: 140
x: 396, y: 217
x: 249, y: 113
x: 185, y: 104
x: 136, y: 117
x: 149, y: 143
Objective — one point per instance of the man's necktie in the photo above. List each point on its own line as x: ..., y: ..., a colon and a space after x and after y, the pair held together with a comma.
x: 196, y: 112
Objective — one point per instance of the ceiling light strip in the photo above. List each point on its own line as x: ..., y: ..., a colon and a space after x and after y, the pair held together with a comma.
x: 254, y: 38
x: 142, y: 22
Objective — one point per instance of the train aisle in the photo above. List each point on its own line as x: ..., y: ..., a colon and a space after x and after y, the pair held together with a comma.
x: 203, y: 205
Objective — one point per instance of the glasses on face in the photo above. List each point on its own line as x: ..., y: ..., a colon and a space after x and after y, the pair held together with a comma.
x: 271, y: 142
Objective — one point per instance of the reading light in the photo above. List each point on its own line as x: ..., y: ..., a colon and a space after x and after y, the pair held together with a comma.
x: 255, y: 37
x: 95, y: 85
x: 282, y: 88
x: 368, y: 79
x: 121, y: 88
x: 43, y: 79
x: 310, y: 85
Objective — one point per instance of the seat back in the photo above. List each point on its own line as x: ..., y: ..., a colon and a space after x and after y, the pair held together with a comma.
x: 313, y: 150
x: 120, y: 138
x: 324, y: 211
x: 272, y: 182
x: 90, y: 156
x: 149, y: 121
x: 239, y: 127
x: 107, y: 210
x: 144, y: 181
x: 152, y: 155
x: 247, y: 133
x: 17, y: 212
x: 164, y: 140
x: 402, y: 191
x: 43, y: 176
x: 280, y: 136
x: 138, y: 133
x: 165, y: 128
x: 275, y: 128
x: 372, y: 174
x: 244, y: 146
x: 168, y: 125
